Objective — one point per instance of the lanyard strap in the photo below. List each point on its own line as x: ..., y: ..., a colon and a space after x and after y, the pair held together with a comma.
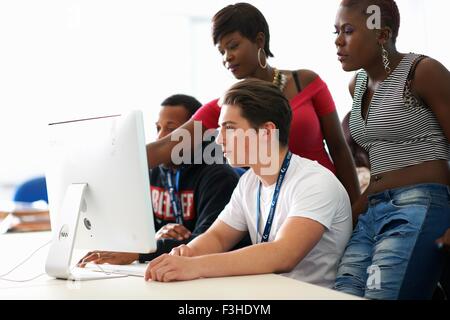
x: 281, y: 175
x: 174, y: 199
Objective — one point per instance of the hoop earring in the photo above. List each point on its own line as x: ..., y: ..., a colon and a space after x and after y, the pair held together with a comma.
x: 259, y: 58
x: 386, y: 62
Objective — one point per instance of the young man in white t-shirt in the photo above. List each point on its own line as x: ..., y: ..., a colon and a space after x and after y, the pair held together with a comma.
x: 304, y: 212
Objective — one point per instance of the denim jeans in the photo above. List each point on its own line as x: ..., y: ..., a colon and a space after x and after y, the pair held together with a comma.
x: 392, y: 252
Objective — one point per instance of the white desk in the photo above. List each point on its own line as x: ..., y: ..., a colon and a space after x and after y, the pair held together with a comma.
x: 15, y: 247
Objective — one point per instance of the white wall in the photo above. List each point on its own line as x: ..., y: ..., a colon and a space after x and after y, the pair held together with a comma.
x: 64, y: 59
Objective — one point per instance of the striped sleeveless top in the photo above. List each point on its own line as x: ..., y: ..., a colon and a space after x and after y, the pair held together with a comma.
x: 399, y: 130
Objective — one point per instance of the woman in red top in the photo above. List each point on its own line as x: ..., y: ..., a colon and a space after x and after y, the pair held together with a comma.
x: 241, y: 35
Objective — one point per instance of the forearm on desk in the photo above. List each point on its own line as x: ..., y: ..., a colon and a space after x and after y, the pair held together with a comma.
x: 247, y: 261
x: 162, y: 246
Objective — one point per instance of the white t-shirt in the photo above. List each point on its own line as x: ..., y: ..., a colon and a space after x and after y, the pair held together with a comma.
x: 308, y: 190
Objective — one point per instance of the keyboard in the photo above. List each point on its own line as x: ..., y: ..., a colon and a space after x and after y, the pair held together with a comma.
x: 89, y: 274
x: 134, y: 269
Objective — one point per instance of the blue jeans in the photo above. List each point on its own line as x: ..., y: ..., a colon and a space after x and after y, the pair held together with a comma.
x: 392, y: 252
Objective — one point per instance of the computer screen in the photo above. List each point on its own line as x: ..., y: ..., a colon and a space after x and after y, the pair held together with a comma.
x: 98, y: 188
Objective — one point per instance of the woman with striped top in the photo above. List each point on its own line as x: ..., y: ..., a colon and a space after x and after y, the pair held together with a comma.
x: 401, y: 117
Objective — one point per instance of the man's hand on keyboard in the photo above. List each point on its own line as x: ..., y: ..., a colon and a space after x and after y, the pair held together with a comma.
x: 173, y: 231
x: 100, y: 257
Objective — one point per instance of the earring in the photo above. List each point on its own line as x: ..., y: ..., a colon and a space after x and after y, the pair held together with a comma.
x: 386, y: 62
x: 259, y: 58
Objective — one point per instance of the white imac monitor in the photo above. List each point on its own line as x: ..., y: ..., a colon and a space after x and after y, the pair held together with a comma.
x: 98, y: 189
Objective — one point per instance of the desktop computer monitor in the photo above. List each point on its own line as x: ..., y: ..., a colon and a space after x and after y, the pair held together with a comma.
x: 98, y: 189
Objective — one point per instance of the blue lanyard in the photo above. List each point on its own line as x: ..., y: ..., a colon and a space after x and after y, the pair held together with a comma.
x: 173, y: 189
x: 281, y: 175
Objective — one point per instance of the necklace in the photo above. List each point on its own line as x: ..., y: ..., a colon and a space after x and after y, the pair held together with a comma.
x: 279, y: 79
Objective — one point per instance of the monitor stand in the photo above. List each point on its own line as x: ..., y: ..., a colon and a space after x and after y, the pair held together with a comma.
x: 61, y: 249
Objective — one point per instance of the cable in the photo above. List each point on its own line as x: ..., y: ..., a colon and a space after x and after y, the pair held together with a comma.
x: 2, y: 277
x: 25, y: 280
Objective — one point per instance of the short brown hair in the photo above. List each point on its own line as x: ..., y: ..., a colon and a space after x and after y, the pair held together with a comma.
x: 260, y: 102
x: 242, y: 17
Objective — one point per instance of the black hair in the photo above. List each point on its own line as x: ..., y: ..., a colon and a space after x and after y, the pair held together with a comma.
x: 390, y: 15
x: 242, y: 17
x: 188, y: 102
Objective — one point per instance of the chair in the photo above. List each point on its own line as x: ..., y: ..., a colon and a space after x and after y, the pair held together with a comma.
x: 31, y: 190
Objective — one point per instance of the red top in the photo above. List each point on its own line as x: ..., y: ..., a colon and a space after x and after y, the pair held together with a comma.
x: 305, y: 138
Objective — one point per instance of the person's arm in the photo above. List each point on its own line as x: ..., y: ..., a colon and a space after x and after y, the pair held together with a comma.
x: 212, y: 194
x: 160, y: 151
x: 341, y: 155
x: 102, y: 257
x: 332, y: 132
x: 360, y: 205
x: 220, y: 237
x: 432, y: 82
x: 206, y: 117
x: 295, y: 239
